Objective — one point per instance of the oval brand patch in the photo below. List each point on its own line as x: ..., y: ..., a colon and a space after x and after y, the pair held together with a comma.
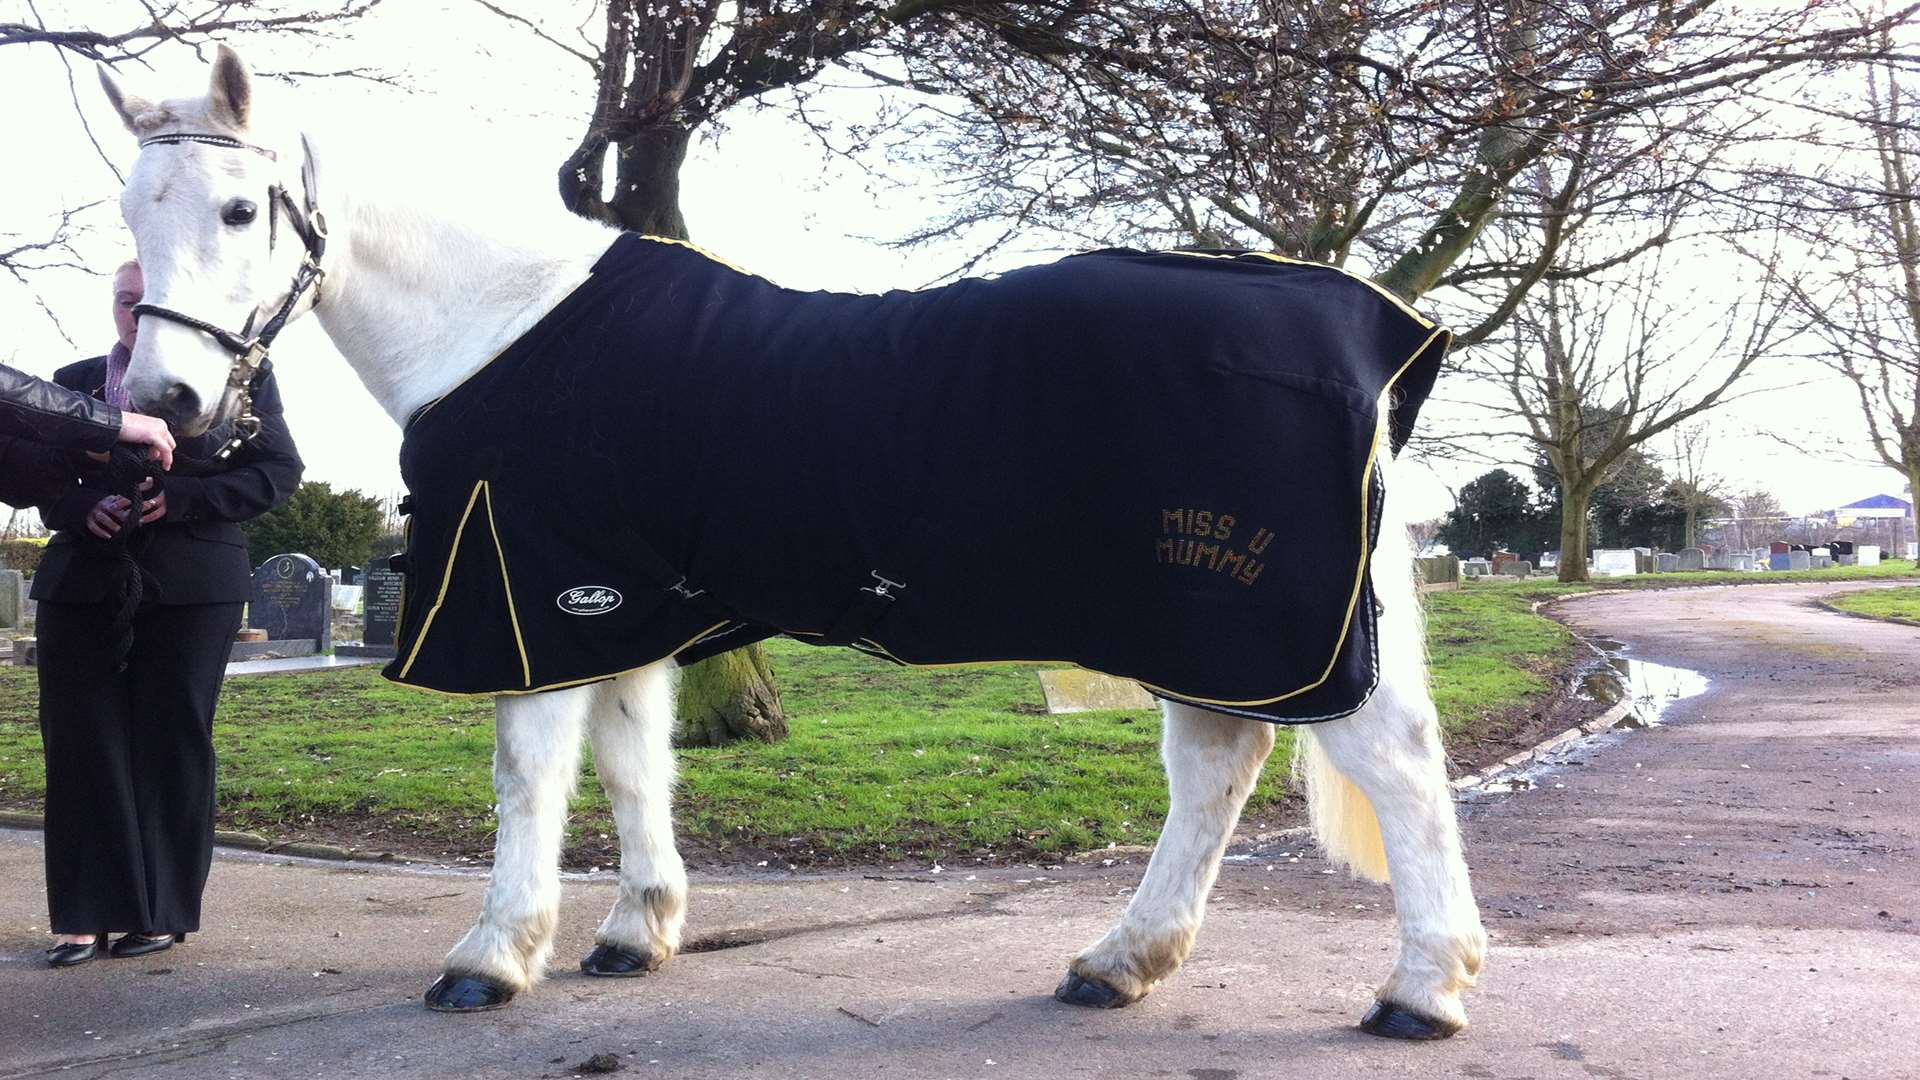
x: 589, y: 600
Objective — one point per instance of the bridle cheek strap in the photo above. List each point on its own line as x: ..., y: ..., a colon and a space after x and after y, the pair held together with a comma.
x: 250, y: 362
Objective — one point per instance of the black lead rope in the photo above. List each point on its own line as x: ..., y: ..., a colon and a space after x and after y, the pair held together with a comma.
x: 129, y: 583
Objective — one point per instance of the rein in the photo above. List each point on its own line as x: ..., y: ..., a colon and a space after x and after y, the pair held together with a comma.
x: 250, y: 361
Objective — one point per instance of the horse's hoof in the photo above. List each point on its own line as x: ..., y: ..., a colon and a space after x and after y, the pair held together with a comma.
x: 1077, y: 989
x: 466, y: 993
x: 615, y: 961
x: 1390, y: 1021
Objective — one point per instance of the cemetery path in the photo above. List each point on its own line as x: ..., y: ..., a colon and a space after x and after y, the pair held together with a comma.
x: 1728, y: 895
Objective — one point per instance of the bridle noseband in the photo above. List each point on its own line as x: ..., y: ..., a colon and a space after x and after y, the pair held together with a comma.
x: 250, y: 362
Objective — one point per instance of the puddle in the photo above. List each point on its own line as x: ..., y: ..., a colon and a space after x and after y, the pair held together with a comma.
x: 1652, y: 688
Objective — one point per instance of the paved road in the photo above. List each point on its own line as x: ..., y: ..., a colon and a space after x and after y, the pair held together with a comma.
x: 1732, y: 894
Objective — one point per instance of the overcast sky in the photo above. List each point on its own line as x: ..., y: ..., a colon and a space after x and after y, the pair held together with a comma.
x: 489, y: 109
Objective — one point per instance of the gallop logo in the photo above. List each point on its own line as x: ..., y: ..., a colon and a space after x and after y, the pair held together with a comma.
x: 588, y: 600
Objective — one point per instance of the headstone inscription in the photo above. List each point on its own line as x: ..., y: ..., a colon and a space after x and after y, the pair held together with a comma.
x: 1666, y: 562
x: 382, y: 606
x: 1693, y: 558
x: 292, y: 601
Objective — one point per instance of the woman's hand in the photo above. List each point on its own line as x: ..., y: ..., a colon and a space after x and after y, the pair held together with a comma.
x: 152, y: 432
x: 109, y: 515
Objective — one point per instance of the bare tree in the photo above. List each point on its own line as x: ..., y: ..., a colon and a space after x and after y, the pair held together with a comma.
x: 137, y: 29
x: 1867, y: 310
x: 1390, y: 133
x: 1698, y: 489
x: 1592, y: 370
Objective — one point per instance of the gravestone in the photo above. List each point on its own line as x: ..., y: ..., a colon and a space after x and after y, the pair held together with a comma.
x: 1473, y: 568
x: 1666, y: 562
x: 1779, y: 547
x: 1740, y: 562
x: 1693, y: 558
x: 13, y: 597
x: 352, y: 575
x: 1840, y: 547
x: 1615, y: 562
x: 1868, y: 554
x: 1847, y: 560
x: 1501, y: 559
x: 1780, y: 560
x: 1913, y: 550
x: 1517, y: 568
x: 1078, y: 690
x: 1820, y: 562
x: 292, y: 601
x: 381, y: 620
x: 1799, y: 560
x: 1438, y: 570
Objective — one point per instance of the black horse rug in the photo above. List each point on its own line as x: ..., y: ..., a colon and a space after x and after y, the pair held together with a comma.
x: 1092, y: 461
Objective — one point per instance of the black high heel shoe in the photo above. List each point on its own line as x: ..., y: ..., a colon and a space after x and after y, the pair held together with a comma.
x: 69, y: 954
x: 142, y: 944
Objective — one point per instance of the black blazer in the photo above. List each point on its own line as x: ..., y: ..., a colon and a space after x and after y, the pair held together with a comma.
x: 37, y: 420
x: 196, y: 553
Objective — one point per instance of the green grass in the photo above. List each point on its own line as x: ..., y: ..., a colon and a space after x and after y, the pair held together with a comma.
x: 883, y: 762
x: 1895, y: 605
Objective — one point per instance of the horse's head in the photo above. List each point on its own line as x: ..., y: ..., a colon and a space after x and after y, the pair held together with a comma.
x: 221, y: 218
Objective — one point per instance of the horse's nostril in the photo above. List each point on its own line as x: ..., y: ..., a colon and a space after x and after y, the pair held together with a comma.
x: 180, y: 402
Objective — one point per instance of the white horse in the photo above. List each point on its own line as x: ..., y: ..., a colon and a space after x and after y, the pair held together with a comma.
x: 417, y: 302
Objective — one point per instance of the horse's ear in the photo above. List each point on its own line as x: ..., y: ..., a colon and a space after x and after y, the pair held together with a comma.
x: 130, y: 108
x: 230, y: 94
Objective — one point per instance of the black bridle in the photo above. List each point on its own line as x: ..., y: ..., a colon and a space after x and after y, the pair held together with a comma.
x: 250, y: 362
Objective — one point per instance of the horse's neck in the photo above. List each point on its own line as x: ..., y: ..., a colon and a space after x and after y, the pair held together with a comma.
x: 417, y: 302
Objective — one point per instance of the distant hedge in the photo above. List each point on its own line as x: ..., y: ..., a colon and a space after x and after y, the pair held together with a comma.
x: 21, y: 554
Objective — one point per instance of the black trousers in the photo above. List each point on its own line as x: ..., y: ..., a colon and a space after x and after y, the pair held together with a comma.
x: 130, y: 769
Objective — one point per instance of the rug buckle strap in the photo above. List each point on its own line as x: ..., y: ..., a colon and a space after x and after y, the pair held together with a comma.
x: 870, y: 604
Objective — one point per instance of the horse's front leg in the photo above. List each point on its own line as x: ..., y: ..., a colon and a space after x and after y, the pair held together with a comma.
x: 632, y: 719
x: 536, y: 760
x: 1212, y: 762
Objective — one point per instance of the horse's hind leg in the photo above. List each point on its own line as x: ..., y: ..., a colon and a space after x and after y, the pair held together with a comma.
x: 1391, y: 751
x: 536, y: 760
x: 1212, y: 762
x: 632, y: 718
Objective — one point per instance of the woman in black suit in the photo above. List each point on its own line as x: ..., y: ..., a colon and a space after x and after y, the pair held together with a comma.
x: 129, y: 739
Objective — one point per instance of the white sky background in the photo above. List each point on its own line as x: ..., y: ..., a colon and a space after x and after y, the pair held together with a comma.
x: 488, y: 109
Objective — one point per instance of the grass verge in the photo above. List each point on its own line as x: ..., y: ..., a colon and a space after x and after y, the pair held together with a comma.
x: 884, y: 763
x: 1901, y: 605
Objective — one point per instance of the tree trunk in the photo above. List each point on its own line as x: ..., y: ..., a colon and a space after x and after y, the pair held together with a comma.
x: 731, y: 696
x: 1573, y: 534
x: 727, y: 698
x: 646, y: 193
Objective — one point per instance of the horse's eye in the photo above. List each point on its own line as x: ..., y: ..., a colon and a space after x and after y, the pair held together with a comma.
x: 238, y: 212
